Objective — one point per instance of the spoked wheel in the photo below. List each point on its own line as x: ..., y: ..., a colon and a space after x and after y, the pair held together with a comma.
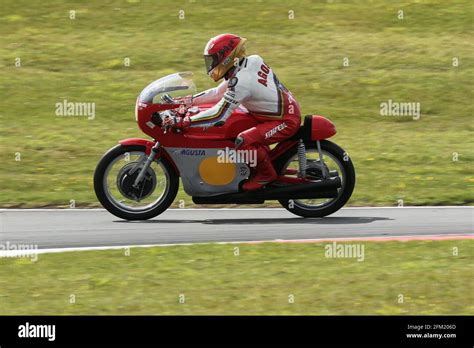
x: 337, y: 163
x: 114, y: 184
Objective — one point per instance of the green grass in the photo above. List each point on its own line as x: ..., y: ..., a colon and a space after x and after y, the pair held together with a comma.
x: 259, y: 281
x: 81, y: 60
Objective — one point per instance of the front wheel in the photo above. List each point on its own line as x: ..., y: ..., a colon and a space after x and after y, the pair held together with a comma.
x: 337, y: 163
x: 114, y: 180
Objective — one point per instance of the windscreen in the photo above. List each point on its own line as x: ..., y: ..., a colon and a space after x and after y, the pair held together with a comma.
x: 176, y: 85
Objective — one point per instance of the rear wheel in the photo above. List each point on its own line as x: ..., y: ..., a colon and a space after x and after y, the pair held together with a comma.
x: 114, y: 180
x: 337, y: 163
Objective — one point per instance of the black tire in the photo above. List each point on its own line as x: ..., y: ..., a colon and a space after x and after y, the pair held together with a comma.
x: 335, y: 205
x: 162, y: 205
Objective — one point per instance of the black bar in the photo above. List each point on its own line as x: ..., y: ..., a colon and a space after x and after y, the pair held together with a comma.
x: 288, y: 330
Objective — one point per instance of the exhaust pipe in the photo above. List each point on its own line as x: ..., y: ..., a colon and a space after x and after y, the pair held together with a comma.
x: 326, y: 188
x: 317, y: 189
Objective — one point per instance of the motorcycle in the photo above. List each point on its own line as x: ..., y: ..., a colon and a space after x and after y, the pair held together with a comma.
x: 138, y: 179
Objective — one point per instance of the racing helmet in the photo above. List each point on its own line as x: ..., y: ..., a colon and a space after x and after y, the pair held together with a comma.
x: 220, y: 53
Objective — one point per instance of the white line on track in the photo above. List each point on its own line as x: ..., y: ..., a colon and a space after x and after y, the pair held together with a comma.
x: 32, y: 252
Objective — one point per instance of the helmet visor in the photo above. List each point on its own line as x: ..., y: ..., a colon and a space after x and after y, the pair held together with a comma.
x: 211, y: 62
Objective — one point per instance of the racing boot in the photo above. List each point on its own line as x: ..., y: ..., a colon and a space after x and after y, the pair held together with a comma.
x: 264, y: 171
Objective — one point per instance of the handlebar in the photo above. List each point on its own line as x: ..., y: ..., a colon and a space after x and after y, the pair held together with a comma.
x: 167, y: 99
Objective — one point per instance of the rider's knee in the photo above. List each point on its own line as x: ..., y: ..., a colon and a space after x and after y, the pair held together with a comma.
x: 249, y: 138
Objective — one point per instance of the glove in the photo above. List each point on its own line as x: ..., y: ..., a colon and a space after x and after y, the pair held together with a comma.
x: 176, y: 122
x: 183, y: 122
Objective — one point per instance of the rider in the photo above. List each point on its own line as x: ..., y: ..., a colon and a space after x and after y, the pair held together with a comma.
x: 249, y: 82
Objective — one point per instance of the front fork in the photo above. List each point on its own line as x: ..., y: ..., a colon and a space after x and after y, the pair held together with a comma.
x: 151, y: 157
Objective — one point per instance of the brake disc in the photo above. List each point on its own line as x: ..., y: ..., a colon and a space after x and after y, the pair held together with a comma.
x: 125, y: 181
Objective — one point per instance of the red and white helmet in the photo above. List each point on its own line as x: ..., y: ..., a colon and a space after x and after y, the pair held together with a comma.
x: 220, y: 53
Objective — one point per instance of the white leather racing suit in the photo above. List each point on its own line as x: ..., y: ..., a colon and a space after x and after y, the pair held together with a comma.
x: 252, y: 85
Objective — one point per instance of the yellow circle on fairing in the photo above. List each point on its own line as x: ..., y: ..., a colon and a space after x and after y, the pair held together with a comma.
x: 214, y: 173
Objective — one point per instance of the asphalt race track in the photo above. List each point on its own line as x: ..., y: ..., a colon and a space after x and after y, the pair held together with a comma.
x: 94, y: 228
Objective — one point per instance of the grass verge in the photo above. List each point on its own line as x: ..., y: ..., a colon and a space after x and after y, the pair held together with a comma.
x: 261, y: 280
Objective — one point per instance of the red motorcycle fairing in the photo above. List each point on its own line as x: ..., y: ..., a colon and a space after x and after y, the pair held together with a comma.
x: 194, y: 136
